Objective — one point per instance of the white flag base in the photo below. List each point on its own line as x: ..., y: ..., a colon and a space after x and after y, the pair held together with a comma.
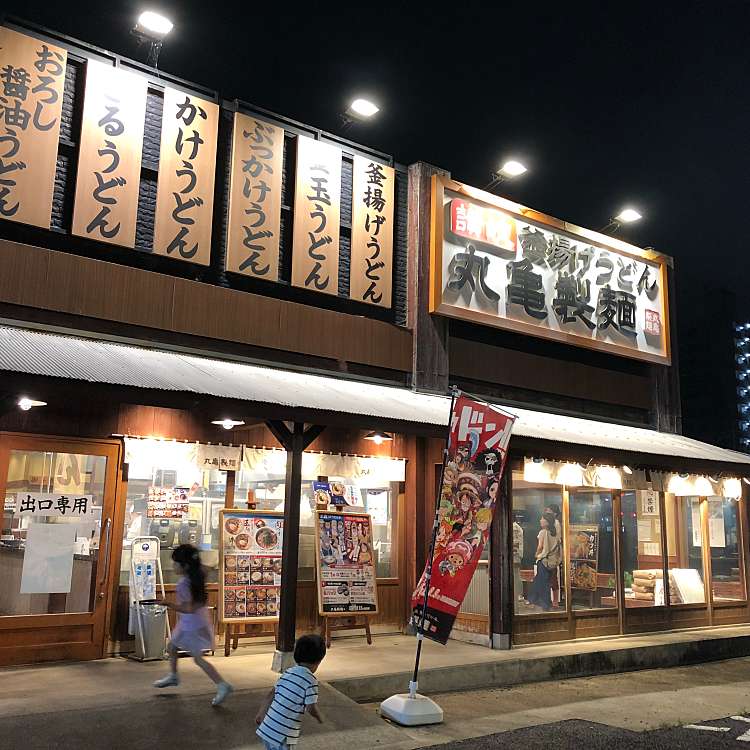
x: 411, y: 711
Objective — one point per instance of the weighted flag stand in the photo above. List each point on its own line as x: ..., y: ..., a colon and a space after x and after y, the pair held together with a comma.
x: 412, y: 709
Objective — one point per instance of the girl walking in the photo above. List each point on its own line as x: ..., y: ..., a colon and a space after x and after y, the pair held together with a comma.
x: 194, y: 632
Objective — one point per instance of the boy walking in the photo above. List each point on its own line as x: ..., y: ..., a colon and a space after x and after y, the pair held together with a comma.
x: 296, y: 691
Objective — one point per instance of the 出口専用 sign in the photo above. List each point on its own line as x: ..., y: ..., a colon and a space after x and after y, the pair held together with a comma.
x: 501, y: 264
x: 317, y: 210
x: 477, y: 449
x: 32, y: 80
x: 255, y: 198
x: 371, y: 267
x: 109, y: 160
x: 187, y: 166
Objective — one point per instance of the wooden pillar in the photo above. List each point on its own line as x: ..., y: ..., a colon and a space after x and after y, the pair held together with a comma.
x: 502, y: 596
x: 295, y: 441
x: 430, y: 369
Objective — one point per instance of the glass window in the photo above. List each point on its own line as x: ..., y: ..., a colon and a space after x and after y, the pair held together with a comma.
x: 641, y: 549
x: 727, y: 580
x: 174, y: 499
x: 591, y: 549
x: 685, y: 549
x: 536, y: 511
x: 52, y: 516
x: 262, y: 480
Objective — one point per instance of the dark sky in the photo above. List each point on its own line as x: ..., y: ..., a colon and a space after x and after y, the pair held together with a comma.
x: 608, y: 103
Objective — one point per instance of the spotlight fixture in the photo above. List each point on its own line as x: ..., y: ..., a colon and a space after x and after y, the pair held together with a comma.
x: 25, y: 404
x: 378, y: 437
x: 151, y: 28
x: 360, y: 110
x: 627, y: 469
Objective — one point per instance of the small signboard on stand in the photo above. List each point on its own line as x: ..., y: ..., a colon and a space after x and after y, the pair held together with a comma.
x: 347, y: 584
x: 249, y: 570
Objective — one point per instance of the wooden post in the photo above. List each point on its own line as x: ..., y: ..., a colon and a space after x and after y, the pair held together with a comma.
x: 294, y: 441
x: 502, y: 596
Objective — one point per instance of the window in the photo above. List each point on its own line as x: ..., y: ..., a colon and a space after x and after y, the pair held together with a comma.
x: 642, y: 572
x: 171, y: 497
x: 533, y: 540
x: 52, y: 517
x: 685, y: 549
x: 372, y: 483
x: 727, y: 579
x: 591, y: 549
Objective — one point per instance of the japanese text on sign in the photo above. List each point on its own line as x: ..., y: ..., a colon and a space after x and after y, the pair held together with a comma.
x: 187, y: 164
x: 45, y: 504
x: 255, y: 198
x: 317, y: 203
x: 109, y: 162
x: 506, y: 271
x: 32, y: 77
x: 371, y: 269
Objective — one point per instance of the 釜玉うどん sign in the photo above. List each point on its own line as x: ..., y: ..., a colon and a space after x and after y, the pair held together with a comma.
x: 371, y: 268
x: 317, y: 211
x: 187, y: 165
x: 501, y: 264
x: 32, y: 79
x: 255, y: 198
x: 109, y: 161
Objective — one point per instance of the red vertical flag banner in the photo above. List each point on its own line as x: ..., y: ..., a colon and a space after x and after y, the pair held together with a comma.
x: 474, y: 463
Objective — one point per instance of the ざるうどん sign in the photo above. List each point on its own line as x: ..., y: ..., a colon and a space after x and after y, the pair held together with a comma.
x: 32, y: 78
x: 501, y: 264
x: 250, y: 565
x: 477, y: 449
x: 346, y: 566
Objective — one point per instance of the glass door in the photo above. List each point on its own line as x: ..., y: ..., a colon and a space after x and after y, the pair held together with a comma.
x: 56, y: 545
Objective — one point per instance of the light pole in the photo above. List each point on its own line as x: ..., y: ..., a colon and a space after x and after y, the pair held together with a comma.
x: 151, y: 28
x: 508, y: 171
x: 626, y: 216
x: 360, y: 110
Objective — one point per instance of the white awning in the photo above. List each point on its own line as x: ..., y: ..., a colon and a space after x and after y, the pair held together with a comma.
x: 54, y: 355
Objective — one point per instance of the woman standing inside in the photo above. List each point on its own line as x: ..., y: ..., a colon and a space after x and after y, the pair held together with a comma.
x: 547, y: 559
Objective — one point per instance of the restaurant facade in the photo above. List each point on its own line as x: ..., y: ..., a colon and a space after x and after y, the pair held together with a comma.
x: 217, y: 302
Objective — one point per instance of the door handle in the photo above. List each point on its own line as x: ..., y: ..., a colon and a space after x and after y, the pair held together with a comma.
x: 105, y: 557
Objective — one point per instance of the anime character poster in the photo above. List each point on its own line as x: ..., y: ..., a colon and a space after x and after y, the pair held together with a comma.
x: 477, y: 449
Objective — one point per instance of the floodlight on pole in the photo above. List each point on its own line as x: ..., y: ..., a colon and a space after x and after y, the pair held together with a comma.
x: 359, y: 110
x: 151, y: 28
x: 626, y: 216
x: 507, y: 171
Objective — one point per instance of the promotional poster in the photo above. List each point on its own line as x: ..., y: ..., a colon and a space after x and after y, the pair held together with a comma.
x: 346, y: 564
x: 477, y: 449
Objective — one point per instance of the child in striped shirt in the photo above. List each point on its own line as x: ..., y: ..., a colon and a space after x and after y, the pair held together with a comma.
x: 296, y: 691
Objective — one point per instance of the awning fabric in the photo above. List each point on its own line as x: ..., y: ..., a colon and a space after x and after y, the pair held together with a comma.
x: 60, y: 356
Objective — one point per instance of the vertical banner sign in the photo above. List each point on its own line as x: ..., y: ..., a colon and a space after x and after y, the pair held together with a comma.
x: 255, y: 198
x: 109, y: 161
x: 371, y: 269
x: 187, y: 165
x: 32, y: 80
x: 317, y: 209
x: 477, y: 449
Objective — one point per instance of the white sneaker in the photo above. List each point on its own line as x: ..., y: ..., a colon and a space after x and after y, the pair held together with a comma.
x: 223, y: 691
x: 171, y: 680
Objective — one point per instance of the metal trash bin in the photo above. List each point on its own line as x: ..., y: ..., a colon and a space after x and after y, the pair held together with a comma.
x: 151, y: 631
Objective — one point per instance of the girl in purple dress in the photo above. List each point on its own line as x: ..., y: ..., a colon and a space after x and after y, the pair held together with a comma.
x: 194, y: 632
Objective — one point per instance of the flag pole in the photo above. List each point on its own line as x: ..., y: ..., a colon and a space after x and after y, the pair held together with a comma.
x: 428, y: 568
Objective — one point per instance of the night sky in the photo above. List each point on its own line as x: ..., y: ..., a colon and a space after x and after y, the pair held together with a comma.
x: 607, y: 103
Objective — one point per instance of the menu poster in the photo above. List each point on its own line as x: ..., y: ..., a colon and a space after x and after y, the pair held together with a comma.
x: 345, y: 563
x: 250, y: 565
x: 583, y: 543
x: 168, y: 503
x: 334, y: 493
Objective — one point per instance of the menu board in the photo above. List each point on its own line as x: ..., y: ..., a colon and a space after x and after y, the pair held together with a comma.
x: 345, y: 563
x: 583, y: 543
x: 167, y: 503
x: 250, y: 565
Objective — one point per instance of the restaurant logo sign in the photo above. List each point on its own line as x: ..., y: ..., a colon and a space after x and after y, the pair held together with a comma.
x: 501, y: 264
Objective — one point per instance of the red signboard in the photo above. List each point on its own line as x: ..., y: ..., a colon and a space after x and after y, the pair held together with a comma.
x: 482, y: 224
x: 477, y: 449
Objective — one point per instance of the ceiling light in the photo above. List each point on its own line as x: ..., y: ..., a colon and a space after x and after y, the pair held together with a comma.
x: 378, y: 437
x: 628, y: 215
x: 227, y: 424
x: 746, y: 480
x: 153, y: 25
x: 512, y: 168
x: 627, y: 469
x: 29, y: 403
